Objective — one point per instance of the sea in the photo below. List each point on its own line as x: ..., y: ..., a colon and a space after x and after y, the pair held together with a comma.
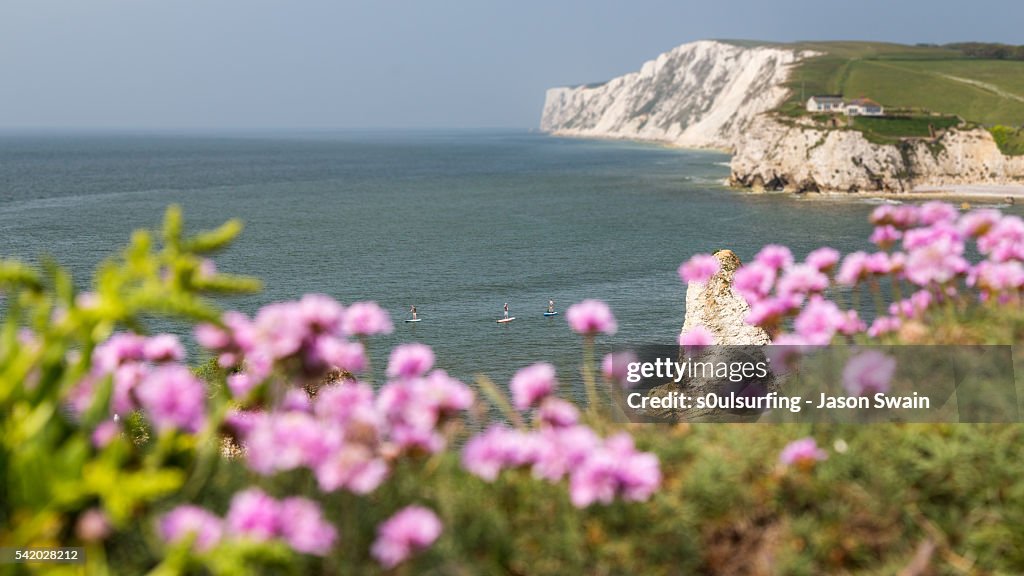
x: 457, y: 223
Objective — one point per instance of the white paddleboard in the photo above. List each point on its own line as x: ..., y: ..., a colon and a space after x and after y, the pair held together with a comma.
x: 551, y: 313
x: 416, y: 320
x: 503, y: 320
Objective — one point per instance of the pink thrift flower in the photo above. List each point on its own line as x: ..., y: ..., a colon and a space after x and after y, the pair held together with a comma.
x: 353, y: 467
x: 854, y: 269
x: 346, y: 403
x: 497, y: 448
x: 591, y: 317
x: 211, y: 337
x: 412, y: 529
x: 302, y: 525
x: 614, y: 469
x: 185, y: 521
x: 93, y: 525
x: 802, y: 279
x: 935, y: 212
x: 555, y: 451
x: 446, y: 394
x: 904, y: 217
x: 868, y: 373
x: 557, y: 413
x: 997, y: 276
x: 173, y: 398
x: 105, y: 433
x: 978, y: 222
x: 938, y: 262
x: 410, y: 360
x: 344, y: 355
x: 118, y: 349
x: 851, y: 323
x: 240, y: 384
x: 696, y: 336
x: 819, y: 321
x: 884, y: 325
x: 126, y: 378
x: 885, y: 236
x: 802, y: 453
x: 615, y: 367
x: 775, y: 257
x: 254, y: 515
x: 924, y: 237
x: 532, y: 384
x: 279, y: 330
x: 285, y: 441
x: 1005, y: 240
x: 639, y: 473
x: 699, y: 268
x: 366, y: 319
x: 824, y: 259
x: 321, y: 313
x: 163, y: 348
x: 771, y: 311
x: 754, y: 281
x: 879, y: 263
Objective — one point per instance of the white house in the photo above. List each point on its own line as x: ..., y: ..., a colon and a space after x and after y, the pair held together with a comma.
x: 863, y: 107
x: 835, y: 104
x: 825, y: 103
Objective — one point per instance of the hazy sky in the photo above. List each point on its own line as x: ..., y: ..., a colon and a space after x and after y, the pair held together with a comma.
x: 178, y: 64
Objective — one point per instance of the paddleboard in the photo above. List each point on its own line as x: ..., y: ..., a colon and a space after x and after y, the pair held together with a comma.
x: 416, y: 320
x: 551, y: 313
x: 503, y: 320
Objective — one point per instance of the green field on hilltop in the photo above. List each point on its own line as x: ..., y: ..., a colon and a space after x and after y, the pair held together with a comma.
x: 923, y: 78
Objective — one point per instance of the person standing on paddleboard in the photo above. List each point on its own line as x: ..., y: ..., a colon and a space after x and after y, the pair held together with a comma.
x: 506, y: 310
x: 551, y: 306
x: 413, y: 310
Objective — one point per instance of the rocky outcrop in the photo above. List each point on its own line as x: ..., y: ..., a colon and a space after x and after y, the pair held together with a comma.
x: 712, y: 94
x: 794, y: 158
x: 719, y: 308
x: 702, y: 94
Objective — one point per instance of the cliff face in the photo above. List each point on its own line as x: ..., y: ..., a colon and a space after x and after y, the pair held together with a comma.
x: 775, y: 156
x: 703, y: 94
x: 714, y: 95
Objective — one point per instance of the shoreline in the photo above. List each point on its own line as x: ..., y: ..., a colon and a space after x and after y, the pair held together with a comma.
x: 993, y: 192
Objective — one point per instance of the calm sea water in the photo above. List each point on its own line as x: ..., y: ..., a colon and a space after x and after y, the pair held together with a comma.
x: 457, y: 223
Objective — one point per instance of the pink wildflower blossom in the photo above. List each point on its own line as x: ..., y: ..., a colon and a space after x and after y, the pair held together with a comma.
x: 188, y: 520
x: 868, y: 373
x: 411, y: 530
x: 803, y: 452
x: 591, y: 317
x: 410, y: 360
x: 699, y: 268
x: 532, y: 384
x: 775, y: 257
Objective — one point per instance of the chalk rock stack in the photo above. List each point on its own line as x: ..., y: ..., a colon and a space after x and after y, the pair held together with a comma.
x: 719, y: 308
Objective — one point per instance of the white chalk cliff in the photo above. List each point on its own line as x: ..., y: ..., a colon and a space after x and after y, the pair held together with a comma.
x: 712, y: 94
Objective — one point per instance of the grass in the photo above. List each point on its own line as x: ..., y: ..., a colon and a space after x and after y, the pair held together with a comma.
x: 1009, y: 140
x: 931, y: 78
x: 895, y: 127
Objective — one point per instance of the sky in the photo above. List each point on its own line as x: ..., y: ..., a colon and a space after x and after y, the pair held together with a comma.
x: 356, y: 64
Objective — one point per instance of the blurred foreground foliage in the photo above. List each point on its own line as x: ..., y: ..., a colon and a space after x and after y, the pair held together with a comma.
x: 942, y: 499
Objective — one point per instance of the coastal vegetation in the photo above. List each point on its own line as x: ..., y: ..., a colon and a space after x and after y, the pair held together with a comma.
x: 255, y: 464
x: 923, y: 81
x: 1010, y: 140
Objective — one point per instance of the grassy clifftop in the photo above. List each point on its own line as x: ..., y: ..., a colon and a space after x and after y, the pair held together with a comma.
x: 937, y: 79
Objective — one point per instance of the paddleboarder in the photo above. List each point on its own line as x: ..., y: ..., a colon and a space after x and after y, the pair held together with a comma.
x: 413, y: 310
x: 506, y: 310
x: 551, y: 306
